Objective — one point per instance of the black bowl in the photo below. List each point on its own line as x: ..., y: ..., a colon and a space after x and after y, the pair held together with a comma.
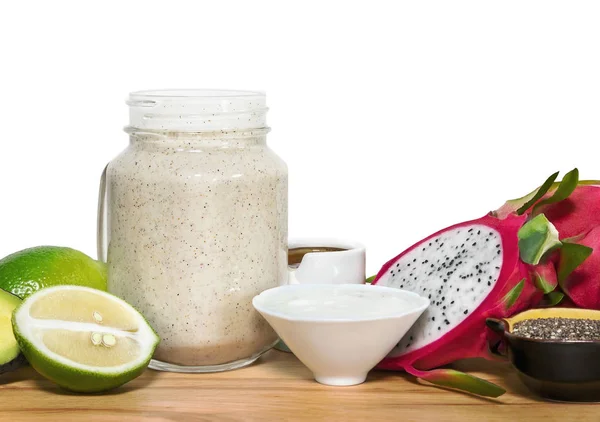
x: 552, y: 369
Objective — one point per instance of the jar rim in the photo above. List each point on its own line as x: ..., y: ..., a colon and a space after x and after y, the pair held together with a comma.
x: 197, y: 110
x: 181, y: 93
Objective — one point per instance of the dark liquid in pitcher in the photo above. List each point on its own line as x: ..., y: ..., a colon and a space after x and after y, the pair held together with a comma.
x: 295, y: 255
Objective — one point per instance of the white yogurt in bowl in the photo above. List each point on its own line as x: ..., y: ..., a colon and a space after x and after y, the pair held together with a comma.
x: 338, y: 303
x: 340, y: 332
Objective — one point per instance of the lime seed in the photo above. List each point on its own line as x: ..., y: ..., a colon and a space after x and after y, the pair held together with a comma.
x: 109, y: 340
x: 96, y: 338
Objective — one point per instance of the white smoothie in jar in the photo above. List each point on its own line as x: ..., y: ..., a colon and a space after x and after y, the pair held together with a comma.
x: 197, y: 225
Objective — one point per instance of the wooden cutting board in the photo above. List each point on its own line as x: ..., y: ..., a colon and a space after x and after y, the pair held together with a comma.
x: 278, y: 387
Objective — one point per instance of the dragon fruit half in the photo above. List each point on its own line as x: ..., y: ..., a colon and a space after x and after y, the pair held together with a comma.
x: 489, y: 267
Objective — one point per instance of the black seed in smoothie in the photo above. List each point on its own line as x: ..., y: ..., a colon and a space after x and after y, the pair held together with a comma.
x: 562, y: 329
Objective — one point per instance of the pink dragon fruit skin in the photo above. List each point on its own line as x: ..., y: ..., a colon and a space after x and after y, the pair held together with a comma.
x: 582, y: 285
x: 577, y: 214
x: 469, y: 337
x: 544, y: 274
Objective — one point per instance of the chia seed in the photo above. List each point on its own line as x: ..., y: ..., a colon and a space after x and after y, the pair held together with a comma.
x: 562, y: 329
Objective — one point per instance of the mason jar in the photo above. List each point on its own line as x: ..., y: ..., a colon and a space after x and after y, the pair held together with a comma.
x: 194, y: 224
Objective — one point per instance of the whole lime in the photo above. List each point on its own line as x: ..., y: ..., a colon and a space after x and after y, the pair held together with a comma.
x: 25, y: 272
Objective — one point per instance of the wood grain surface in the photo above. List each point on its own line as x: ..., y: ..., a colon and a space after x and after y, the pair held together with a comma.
x: 279, y: 388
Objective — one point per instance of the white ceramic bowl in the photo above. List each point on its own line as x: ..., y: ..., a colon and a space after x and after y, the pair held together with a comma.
x: 339, y: 349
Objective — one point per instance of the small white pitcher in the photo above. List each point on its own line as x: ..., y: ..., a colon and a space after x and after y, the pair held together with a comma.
x: 331, y: 267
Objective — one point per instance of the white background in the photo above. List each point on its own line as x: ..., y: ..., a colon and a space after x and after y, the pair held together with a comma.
x: 395, y: 118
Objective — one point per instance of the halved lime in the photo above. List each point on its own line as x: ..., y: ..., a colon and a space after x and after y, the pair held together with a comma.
x: 83, y: 339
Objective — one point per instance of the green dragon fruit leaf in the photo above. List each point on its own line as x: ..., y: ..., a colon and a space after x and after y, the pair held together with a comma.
x: 370, y: 279
x: 570, y: 257
x: 536, y: 238
x: 520, y: 205
x: 552, y: 299
x: 511, y: 297
x: 542, y: 284
x: 458, y: 380
x: 536, y: 195
x: 564, y: 189
x: 574, y: 239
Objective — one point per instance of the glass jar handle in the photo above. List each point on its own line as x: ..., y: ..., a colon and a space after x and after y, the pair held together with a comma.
x: 101, y: 223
